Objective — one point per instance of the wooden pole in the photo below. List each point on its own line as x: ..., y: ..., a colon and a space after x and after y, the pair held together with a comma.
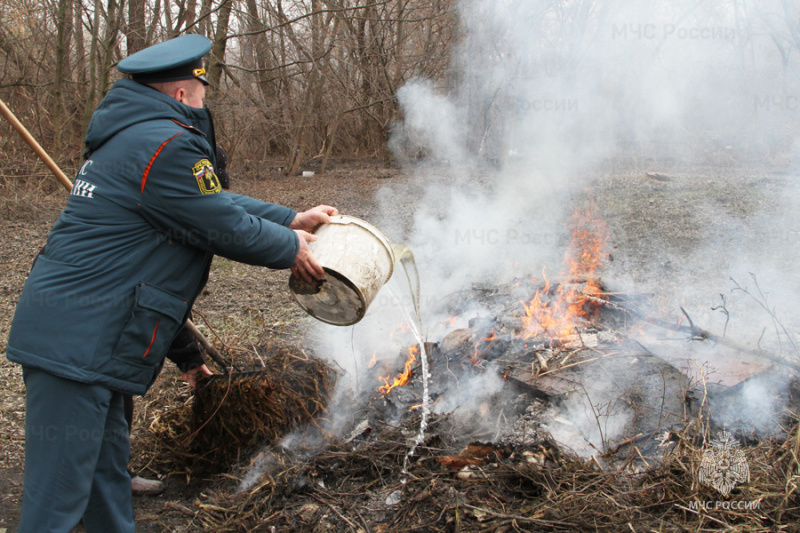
x: 215, y: 355
x: 35, y: 145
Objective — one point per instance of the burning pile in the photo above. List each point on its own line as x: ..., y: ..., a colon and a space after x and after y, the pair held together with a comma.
x: 530, y: 361
x: 521, y: 458
x: 554, y: 317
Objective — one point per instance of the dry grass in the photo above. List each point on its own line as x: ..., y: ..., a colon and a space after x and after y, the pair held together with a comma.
x: 537, y: 488
x: 320, y: 482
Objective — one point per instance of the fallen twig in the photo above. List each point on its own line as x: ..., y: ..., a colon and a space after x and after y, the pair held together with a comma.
x: 696, y: 332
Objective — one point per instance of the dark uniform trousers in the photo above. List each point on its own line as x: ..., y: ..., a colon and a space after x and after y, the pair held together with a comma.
x: 78, y: 435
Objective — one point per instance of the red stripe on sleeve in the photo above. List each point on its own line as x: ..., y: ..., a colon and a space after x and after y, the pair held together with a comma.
x: 153, y: 159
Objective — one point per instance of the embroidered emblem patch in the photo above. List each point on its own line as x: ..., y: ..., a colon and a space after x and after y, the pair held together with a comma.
x: 207, y: 179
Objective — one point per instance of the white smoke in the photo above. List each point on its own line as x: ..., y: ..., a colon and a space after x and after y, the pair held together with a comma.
x: 544, y: 97
x: 542, y: 94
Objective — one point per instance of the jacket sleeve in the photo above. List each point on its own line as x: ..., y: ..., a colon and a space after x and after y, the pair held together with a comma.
x: 272, y: 212
x: 182, y: 198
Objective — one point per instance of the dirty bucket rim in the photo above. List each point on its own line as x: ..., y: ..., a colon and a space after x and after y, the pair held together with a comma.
x: 352, y: 286
x: 350, y: 219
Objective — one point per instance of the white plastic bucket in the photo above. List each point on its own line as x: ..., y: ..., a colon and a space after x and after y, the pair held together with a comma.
x: 358, y: 260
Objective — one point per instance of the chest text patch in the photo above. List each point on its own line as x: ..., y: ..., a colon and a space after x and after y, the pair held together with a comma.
x: 207, y: 180
x: 82, y: 188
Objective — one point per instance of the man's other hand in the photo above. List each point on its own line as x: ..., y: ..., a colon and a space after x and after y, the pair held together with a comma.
x: 309, y: 220
x: 190, y: 376
x: 305, y: 264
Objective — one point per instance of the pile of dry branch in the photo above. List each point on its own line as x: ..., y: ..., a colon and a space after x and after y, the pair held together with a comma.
x: 367, y: 482
x: 535, y: 488
x: 235, y: 413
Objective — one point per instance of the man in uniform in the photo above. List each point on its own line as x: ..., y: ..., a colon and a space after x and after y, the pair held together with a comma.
x: 184, y: 352
x: 118, y: 276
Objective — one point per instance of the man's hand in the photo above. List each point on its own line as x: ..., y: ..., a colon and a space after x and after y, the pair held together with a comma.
x: 305, y: 265
x: 309, y: 220
x: 190, y: 376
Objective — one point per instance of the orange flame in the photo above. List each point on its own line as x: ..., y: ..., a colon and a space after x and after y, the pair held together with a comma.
x: 413, y: 407
x: 373, y: 360
x: 403, y: 377
x: 402, y: 328
x: 475, y: 358
x: 581, y: 297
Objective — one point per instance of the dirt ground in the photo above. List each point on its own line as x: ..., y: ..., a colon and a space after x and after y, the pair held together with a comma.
x: 657, y: 219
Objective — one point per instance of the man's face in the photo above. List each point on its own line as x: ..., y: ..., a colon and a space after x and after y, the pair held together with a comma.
x: 193, y: 93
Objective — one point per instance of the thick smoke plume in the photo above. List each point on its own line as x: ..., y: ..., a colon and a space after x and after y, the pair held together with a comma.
x: 542, y: 97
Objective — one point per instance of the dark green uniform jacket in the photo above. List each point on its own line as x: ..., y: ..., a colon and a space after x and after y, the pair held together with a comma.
x: 130, y: 252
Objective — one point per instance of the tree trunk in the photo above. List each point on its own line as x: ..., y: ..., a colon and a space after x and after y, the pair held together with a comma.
x: 330, y: 138
x: 168, y: 18
x: 220, y: 41
x: 80, y: 48
x: 114, y: 20
x: 63, y: 34
x: 136, y: 30
x: 190, y: 17
x: 154, y: 25
x: 91, y: 97
x: 205, y: 20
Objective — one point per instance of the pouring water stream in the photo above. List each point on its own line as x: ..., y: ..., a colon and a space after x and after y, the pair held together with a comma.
x: 405, y: 258
x: 358, y: 261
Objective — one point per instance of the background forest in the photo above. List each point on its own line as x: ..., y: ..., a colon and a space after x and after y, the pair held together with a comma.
x: 290, y: 79
x: 296, y: 81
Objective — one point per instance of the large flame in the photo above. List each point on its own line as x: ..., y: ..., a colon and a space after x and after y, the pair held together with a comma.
x: 403, y: 377
x: 555, y: 314
x: 579, y: 296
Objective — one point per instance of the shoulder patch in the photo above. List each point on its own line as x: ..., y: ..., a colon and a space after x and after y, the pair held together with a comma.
x: 207, y: 180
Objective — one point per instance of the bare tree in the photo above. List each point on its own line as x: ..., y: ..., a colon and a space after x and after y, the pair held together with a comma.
x: 220, y: 41
x: 135, y: 32
x: 62, y: 61
x: 301, y: 80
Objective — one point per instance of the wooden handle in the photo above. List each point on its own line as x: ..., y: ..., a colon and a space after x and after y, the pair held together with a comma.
x: 35, y: 145
x: 215, y: 355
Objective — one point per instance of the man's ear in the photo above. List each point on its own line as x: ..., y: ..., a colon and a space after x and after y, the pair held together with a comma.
x: 180, y: 94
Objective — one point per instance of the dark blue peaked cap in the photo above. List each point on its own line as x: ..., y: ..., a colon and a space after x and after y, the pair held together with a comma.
x: 177, y: 59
